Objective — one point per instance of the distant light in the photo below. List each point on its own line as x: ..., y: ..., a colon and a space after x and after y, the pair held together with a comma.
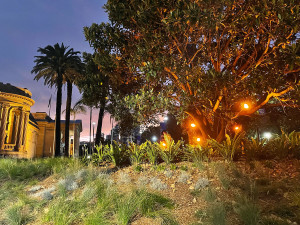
x: 267, y: 135
x: 89, y: 156
x: 198, y: 139
x: 193, y: 125
x: 164, y: 144
x: 166, y: 118
x: 236, y: 127
x: 94, y: 123
x: 154, y: 138
x: 246, y: 106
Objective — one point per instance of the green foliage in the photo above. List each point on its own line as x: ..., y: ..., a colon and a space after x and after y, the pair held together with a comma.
x: 136, y: 153
x: 173, y: 167
x: 247, y: 212
x: 144, y: 203
x: 160, y: 168
x: 22, y: 169
x: 117, y: 154
x: 170, y: 151
x: 100, y: 155
x: 184, y: 168
x: 58, y: 64
x: 208, y: 54
x: 15, y: 215
x: 230, y: 148
x: 217, y: 214
x: 255, y: 149
x: 152, y: 152
x: 138, y: 168
x: 197, y: 153
x: 285, y: 145
x: 209, y: 195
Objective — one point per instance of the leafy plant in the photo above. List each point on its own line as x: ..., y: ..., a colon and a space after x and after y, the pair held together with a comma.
x: 168, y: 150
x: 136, y: 153
x: 101, y: 153
x: 197, y: 153
x: 151, y: 152
x: 230, y: 147
x: 117, y: 154
x: 255, y: 149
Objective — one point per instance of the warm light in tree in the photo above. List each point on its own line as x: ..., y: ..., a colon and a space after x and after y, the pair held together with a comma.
x: 193, y: 125
x: 198, y: 139
x: 246, y: 106
x: 237, y: 128
x: 164, y: 144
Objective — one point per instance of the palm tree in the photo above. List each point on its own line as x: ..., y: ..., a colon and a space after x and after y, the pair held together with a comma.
x: 53, y: 63
x: 70, y: 78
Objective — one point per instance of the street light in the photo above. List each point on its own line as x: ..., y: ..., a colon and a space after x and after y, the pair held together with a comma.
x: 154, y: 138
x: 267, y: 135
x: 193, y: 125
x: 198, y: 139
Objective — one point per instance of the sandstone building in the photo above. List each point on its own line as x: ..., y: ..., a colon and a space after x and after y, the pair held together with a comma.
x: 29, y: 135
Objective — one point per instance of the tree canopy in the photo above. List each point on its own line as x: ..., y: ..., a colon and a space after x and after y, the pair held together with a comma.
x: 202, y: 60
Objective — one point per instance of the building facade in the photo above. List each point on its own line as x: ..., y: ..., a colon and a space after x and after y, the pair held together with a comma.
x: 29, y: 135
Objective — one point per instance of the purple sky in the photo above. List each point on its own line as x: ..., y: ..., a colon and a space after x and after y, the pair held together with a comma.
x: 27, y: 25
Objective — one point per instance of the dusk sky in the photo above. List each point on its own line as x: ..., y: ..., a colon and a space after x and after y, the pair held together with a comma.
x: 27, y: 25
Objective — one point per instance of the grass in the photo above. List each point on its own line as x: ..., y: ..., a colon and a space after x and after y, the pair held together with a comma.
x: 98, y: 199
x: 247, y: 211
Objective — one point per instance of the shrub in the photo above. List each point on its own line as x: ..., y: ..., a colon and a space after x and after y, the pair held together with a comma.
x: 136, y: 153
x: 183, y: 177
x: 168, y: 150
x: 99, y: 156
x: 117, y: 154
x: 201, y: 183
x: 255, y: 149
x: 151, y: 152
x: 230, y: 148
x: 157, y: 184
x: 285, y: 145
x: 168, y: 173
x: 142, y: 181
x: 197, y: 154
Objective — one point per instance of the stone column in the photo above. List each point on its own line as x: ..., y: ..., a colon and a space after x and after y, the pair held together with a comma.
x: 4, y: 115
x: 16, y: 128
x: 20, y: 133
x: 26, y: 121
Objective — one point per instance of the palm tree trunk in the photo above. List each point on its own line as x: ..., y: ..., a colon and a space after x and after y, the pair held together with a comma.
x: 57, y: 116
x: 91, y: 113
x: 99, y: 125
x: 67, y: 125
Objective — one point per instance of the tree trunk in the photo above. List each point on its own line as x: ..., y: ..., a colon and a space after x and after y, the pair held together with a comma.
x: 67, y: 124
x: 91, y: 112
x: 206, y: 130
x: 99, y: 125
x: 57, y: 116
